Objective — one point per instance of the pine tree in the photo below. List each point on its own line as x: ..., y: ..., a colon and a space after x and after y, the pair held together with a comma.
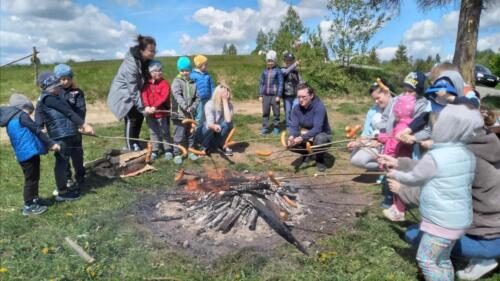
x: 401, y: 55
x: 224, y: 49
x: 231, y: 50
x: 290, y: 31
x: 261, y: 42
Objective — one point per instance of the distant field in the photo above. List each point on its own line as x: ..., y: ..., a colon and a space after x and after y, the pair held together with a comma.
x: 242, y: 73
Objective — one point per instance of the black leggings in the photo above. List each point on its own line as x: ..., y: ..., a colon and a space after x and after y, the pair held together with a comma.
x: 31, y: 171
x: 133, y: 124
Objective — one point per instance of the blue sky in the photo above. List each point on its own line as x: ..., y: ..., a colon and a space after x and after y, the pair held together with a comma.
x: 89, y: 29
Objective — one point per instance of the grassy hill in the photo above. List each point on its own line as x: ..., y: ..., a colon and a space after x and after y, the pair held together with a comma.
x: 94, y: 77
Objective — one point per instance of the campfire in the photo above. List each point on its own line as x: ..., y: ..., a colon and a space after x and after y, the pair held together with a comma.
x: 224, y: 202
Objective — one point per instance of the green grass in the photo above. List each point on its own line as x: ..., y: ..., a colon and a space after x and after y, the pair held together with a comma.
x: 492, y: 102
x: 103, y: 221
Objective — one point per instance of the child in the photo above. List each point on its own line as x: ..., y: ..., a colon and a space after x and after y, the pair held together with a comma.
x: 28, y: 142
x: 218, y: 121
x: 270, y: 93
x: 403, y: 111
x: 62, y: 125
x: 291, y: 79
x: 204, y: 84
x: 446, y: 173
x: 156, y: 96
x: 76, y: 99
x: 184, y: 105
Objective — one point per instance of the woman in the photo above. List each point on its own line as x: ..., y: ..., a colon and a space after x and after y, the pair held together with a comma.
x: 218, y: 121
x: 124, y: 97
x: 365, y: 150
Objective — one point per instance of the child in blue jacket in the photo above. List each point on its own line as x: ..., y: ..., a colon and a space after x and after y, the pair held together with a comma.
x: 28, y: 142
x: 204, y: 85
x: 270, y: 93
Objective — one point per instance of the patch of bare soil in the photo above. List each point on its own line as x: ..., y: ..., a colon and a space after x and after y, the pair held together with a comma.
x: 326, y: 205
x: 248, y: 107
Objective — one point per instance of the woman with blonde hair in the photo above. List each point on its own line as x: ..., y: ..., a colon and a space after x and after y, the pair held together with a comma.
x: 217, y: 122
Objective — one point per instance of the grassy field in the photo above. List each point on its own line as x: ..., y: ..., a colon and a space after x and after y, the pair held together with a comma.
x: 242, y: 73
x: 105, y: 224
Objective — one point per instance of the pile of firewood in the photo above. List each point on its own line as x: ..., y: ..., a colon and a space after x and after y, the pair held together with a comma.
x: 222, y: 204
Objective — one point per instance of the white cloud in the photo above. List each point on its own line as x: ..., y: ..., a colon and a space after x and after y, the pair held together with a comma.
x: 490, y: 42
x: 422, y: 30
x: 490, y: 17
x: 167, y: 53
x: 386, y: 53
x: 422, y: 49
x: 87, y: 34
x: 240, y: 26
x: 324, y: 26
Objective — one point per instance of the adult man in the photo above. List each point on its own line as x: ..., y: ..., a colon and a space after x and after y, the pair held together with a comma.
x: 309, y: 123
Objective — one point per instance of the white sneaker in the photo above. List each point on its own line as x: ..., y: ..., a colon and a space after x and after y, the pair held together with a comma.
x: 393, y: 214
x: 477, y: 268
x: 136, y: 147
x: 55, y: 192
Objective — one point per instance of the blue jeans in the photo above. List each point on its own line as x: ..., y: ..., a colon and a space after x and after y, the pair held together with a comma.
x: 211, y: 140
x: 466, y: 246
x: 200, y: 111
x: 288, y: 103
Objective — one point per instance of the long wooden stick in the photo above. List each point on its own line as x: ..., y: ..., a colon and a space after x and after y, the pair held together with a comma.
x: 337, y: 174
x: 182, y: 148
x: 79, y: 250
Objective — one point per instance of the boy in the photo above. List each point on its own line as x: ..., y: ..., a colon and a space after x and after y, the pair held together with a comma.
x: 62, y: 125
x: 291, y: 79
x: 76, y: 99
x: 156, y: 96
x: 184, y: 105
x: 204, y: 84
x: 28, y: 142
x: 270, y: 93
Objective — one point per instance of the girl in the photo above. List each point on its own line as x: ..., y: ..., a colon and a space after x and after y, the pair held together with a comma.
x: 445, y: 174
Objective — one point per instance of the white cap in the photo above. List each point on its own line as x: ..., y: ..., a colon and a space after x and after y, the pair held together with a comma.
x: 271, y: 55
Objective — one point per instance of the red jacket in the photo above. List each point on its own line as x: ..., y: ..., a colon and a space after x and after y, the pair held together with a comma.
x: 157, y: 94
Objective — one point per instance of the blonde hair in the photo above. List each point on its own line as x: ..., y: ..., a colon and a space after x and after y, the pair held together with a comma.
x: 217, y: 96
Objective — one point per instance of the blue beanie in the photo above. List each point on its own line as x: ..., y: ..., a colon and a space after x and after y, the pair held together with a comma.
x: 183, y: 63
x: 63, y: 70
x: 50, y: 83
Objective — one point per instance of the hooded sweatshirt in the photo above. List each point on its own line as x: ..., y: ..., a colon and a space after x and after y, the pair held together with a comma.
x: 446, y: 171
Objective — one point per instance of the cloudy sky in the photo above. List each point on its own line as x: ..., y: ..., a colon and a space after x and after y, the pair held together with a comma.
x: 89, y: 29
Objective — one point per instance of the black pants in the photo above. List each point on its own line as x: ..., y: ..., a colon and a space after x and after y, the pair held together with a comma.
x: 31, y: 171
x: 77, y: 161
x: 133, y: 124
x: 320, y: 138
x: 70, y: 149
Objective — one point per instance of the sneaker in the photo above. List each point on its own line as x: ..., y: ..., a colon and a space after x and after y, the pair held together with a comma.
x: 55, y: 192
x: 178, y: 159
x: 393, y: 214
x: 33, y: 209
x: 228, y: 151
x: 136, y: 147
x: 43, y: 202
x: 193, y: 156
x: 70, y: 183
x: 70, y: 195
x: 276, y: 131
x: 154, y: 156
x: 168, y: 156
x: 304, y: 161
x: 380, y: 179
x: 320, y: 167
x: 477, y: 268
x: 264, y: 131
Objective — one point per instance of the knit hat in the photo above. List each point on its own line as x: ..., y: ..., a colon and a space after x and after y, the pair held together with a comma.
x: 183, y: 63
x: 271, y: 55
x: 154, y: 65
x: 199, y: 60
x: 21, y: 102
x: 50, y: 83
x: 63, y: 70
x: 415, y: 80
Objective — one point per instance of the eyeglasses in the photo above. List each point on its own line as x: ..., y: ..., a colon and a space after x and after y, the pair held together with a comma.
x: 302, y: 97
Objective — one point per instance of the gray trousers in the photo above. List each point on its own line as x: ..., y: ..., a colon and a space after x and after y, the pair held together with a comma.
x: 269, y: 102
x: 182, y: 136
x: 365, y: 157
x: 159, y: 130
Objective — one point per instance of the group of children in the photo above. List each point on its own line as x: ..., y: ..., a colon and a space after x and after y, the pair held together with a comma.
x: 444, y: 172
x: 278, y: 84
x: 59, y: 123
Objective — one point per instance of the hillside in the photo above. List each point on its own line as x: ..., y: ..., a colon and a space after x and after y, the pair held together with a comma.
x: 94, y: 77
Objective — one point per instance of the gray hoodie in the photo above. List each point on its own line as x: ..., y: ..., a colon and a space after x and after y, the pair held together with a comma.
x: 6, y: 113
x: 456, y: 79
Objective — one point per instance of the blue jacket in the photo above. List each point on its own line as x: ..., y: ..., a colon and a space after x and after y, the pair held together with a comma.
x: 368, y: 129
x: 24, y: 142
x: 313, y: 118
x: 58, y: 125
x: 271, y: 82
x: 204, y: 84
x: 446, y: 199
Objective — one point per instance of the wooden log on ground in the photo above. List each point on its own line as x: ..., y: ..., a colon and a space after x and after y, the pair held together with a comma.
x: 79, y: 250
x: 254, y: 215
x: 227, y: 224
